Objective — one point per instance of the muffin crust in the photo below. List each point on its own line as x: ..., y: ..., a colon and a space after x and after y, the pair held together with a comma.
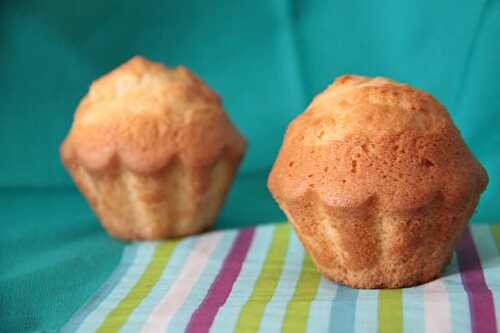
x: 142, y: 115
x: 152, y: 151
x: 377, y: 182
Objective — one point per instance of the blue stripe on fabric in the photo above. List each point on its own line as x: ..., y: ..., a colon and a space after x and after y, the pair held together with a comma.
x: 459, y: 302
x: 343, y: 310
x: 228, y: 315
x: 128, y: 255
x: 272, y: 320
x: 319, y: 314
x: 413, y: 310
x: 366, y: 311
x: 173, y: 268
x: 143, y: 257
x: 181, y: 318
x: 490, y: 261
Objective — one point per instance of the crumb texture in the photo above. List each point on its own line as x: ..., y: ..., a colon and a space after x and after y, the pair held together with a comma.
x: 377, y: 182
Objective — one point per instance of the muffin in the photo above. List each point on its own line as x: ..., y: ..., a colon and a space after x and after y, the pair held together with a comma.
x: 152, y: 151
x: 377, y: 182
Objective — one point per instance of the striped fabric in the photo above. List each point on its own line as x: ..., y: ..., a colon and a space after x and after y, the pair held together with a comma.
x: 260, y: 279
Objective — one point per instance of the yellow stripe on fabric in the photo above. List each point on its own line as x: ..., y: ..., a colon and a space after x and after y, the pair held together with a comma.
x: 252, y: 312
x: 495, y: 232
x: 297, y: 311
x: 119, y: 316
x: 390, y: 311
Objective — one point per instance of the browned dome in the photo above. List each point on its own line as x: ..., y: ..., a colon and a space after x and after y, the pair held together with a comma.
x: 153, y: 151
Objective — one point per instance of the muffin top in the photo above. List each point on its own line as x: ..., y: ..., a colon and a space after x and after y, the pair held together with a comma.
x: 143, y: 114
x: 373, y: 138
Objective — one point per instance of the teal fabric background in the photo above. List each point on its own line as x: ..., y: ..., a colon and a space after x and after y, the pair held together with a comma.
x: 266, y: 59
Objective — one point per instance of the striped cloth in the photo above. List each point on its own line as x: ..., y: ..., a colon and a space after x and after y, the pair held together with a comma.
x: 259, y: 279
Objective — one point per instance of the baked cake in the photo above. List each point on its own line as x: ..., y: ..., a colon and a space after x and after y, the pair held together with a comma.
x: 377, y: 182
x: 152, y: 151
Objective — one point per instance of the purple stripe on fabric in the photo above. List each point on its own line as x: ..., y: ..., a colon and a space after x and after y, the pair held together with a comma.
x: 482, y: 307
x: 203, y: 317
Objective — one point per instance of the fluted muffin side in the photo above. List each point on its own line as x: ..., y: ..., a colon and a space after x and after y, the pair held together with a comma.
x: 173, y: 202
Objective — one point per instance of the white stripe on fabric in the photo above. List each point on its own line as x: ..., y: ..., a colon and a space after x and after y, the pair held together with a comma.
x: 319, y: 313
x: 143, y: 311
x: 228, y: 315
x: 138, y: 266
x: 181, y: 318
x: 458, y: 300
x: 490, y: 262
x: 437, y: 307
x: 272, y: 320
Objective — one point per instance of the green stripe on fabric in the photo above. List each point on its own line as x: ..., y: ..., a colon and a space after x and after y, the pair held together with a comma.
x: 119, y: 316
x: 495, y: 231
x: 390, y: 311
x: 252, y: 312
x: 297, y: 311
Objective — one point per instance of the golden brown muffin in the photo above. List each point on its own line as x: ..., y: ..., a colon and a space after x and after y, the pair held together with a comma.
x: 377, y: 182
x: 152, y: 151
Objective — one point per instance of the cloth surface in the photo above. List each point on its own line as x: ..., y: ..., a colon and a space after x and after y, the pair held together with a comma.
x: 260, y: 279
x: 266, y: 58
x: 54, y: 254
